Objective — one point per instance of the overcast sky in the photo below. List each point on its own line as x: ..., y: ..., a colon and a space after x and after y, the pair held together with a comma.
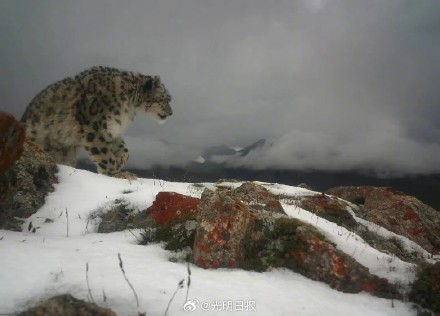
x: 336, y: 84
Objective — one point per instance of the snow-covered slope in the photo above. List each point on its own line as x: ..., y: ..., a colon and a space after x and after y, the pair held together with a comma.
x: 53, y: 260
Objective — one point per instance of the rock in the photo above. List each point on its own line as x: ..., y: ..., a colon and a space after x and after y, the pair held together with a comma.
x: 400, y: 213
x: 67, y: 305
x: 125, y: 175
x: 257, y: 197
x: 274, y: 206
x: 23, y: 187
x: 252, y: 193
x: 225, y: 229
x: 426, y: 289
x: 171, y: 219
x: 290, y: 243
x: 231, y: 234
x: 121, y: 216
x: 305, y: 186
x: 356, y: 195
x: 170, y: 205
x: 11, y: 141
x: 223, y: 223
x: 174, y: 221
x: 330, y: 208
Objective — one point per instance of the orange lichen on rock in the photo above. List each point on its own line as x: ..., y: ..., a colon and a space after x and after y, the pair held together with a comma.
x: 170, y: 205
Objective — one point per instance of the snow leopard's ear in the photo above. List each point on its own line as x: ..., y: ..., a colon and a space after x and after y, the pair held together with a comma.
x: 151, y: 83
x: 156, y: 81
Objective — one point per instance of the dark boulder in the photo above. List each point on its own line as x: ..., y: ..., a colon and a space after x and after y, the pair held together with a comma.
x: 26, y: 182
x: 400, y: 213
x: 67, y: 305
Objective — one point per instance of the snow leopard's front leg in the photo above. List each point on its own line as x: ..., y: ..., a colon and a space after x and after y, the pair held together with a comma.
x: 108, y: 153
x: 120, y: 152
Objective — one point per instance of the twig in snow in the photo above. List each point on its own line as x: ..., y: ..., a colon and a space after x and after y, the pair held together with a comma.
x: 67, y: 219
x: 104, y: 297
x: 188, y: 283
x: 121, y: 265
x: 57, y: 276
x: 88, y: 285
x: 32, y: 228
x: 179, y: 286
x: 139, y: 241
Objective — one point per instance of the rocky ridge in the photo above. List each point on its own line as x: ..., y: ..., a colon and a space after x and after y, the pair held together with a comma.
x: 244, y: 226
x: 27, y: 174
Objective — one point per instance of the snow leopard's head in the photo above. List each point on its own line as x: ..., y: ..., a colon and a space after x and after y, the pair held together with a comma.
x: 156, y: 99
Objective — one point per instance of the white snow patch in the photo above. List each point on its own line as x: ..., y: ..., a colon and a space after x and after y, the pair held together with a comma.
x: 380, y: 264
x: 408, y: 244
x: 200, y: 159
x: 236, y: 148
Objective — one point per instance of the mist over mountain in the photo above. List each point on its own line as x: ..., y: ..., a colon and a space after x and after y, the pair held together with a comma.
x: 225, y: 162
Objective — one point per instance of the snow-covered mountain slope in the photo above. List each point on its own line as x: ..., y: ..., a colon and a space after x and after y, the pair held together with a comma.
x: 53, y: 259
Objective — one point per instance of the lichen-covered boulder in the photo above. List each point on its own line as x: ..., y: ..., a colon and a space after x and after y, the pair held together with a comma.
x: 274, y: 206
x: 24, y: 186
x: 11, y: 141
x: 250, y: 193
x: 426, y: 289
x: 232, y: 234
x: 293, y: 244
x: 171, y: 205
x: 330, y: 208
x: 224, y: 222
x: 234, y: 228
x: 257, y: 197
x: 119, y: 217
x: 400, y: 213
x: 67, y: 305
x: 173, y: 221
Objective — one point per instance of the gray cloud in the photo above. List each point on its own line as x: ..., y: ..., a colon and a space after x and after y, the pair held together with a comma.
x: 335, y: 84
x: 386, y: 154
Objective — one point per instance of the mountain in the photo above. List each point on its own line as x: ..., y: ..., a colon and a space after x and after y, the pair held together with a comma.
x: 253, y: 147
x: 222, y: 150
x: 218, y: 153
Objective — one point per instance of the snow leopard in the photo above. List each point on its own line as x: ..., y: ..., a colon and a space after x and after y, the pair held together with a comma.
x: 92, y: 110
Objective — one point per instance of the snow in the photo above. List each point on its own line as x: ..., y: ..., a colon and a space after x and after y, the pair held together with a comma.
x: 408, y: 244
x: 35, y: 266
x: 380, y: 264
x: 200, y: 159
x: 236, y: 148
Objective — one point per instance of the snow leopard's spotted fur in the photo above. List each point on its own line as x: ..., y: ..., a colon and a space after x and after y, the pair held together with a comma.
x: 92, y: 110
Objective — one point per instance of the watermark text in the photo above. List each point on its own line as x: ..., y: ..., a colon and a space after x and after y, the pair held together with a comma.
x: 221, y: 305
